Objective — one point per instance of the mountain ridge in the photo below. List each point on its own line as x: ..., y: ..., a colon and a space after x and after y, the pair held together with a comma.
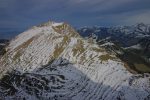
x: 69, y: 66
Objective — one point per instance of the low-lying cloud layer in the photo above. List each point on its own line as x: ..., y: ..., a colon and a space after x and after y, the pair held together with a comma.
x: 25, y: 13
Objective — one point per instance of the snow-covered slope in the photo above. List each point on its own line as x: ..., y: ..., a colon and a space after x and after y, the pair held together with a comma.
x: 52, y: 62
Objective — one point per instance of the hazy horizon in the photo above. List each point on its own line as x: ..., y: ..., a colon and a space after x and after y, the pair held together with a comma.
x: 18, y: 15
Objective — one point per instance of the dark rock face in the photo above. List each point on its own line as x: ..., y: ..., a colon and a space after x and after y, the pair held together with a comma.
x: 37, y: 84
x: 145, y: 44
x: 3, y: 44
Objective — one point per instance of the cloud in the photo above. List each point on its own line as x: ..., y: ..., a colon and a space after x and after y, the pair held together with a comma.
x: 25, y: 13
x: 140, y: 17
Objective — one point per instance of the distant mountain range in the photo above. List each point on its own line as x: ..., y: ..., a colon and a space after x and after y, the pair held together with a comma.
x: 132, y: 41
x: 125, y: 35
x: 6, y: 33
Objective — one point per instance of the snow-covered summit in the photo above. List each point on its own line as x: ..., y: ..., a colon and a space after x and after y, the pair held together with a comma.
x: 57, y: 24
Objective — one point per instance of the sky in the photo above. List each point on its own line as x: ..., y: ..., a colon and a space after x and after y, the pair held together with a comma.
x: 22, y: 14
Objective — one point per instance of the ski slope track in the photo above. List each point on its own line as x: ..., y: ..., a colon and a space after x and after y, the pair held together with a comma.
x: 53, y: 62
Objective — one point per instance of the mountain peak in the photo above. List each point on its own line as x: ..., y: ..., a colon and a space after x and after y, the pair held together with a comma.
x: 50, y: 23
x: 52, y: 61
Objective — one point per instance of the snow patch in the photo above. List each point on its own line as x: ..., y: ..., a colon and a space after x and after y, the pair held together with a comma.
x: 138, y: 46
x: 57, y: 24
x: 108, y: 43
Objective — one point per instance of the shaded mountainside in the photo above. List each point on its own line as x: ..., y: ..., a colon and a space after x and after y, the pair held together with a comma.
x: 52, y: 61
x: 132, y: 41
x: 61, y: 80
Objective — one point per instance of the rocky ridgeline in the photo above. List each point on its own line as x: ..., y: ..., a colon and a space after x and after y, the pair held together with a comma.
x: 53, y: 62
